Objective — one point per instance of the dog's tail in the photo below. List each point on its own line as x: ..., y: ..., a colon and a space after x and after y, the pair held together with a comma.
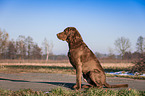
x: 116, y: 86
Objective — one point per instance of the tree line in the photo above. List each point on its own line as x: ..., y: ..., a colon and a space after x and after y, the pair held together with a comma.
x: 25, y: 48
x: 123, y: 47
x: 22, y: 48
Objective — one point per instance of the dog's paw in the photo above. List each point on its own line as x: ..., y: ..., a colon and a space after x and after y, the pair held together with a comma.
x: 76, y: 88
x: 99, y: 87
x: 86, y: 86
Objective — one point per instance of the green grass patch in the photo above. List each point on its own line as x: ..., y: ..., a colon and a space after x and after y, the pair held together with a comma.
x: 44, y: 69
x: 66, y: 92
x: 17, y: 68
x: 108, y: 69
x: 36, y: 69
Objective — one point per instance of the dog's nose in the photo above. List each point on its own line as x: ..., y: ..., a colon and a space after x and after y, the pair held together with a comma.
x: 57, y: 34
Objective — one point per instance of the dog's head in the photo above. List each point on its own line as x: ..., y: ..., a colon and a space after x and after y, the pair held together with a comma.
x: 70, y: 34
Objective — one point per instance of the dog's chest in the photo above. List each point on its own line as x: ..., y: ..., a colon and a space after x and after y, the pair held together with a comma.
x: 73, y: 58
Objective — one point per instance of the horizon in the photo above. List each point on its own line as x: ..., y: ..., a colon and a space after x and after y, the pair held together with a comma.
x: 99, y: 22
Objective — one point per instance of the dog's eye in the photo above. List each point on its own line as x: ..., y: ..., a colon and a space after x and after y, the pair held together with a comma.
x: 64, y: 32
x: 73, y: 29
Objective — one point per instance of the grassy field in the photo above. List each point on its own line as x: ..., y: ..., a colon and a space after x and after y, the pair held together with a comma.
x: 61, y: 68
x: 64, y: 92
x: 56, y: 67
x: 64, y: 68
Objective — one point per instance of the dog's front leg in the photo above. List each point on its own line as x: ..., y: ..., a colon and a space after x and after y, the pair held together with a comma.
x: 78, y: 76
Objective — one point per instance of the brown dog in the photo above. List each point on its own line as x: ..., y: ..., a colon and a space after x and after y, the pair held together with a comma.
x: 84, y: 61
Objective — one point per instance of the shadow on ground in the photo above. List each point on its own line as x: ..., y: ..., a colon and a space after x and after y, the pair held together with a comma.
x: 64, y: 84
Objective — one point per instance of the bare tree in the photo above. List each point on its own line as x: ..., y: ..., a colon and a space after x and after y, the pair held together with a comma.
x: 29, y: 46
x: 36, y: 52
x: 21, y: 47
x: 11, y: 51
x: 122, y: 45
x: 47, y: 47
x: 3, y: 41
x: 140, y: 44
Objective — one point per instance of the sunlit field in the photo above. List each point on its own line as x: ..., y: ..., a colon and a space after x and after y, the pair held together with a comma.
x: 61, y: 66
x: 104, y: 63
x: 64, y: 63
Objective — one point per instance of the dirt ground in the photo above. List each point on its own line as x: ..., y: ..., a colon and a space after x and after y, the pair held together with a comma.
x: 47, y: 81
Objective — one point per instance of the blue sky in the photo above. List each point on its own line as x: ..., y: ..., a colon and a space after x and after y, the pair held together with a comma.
x: 100, y: 22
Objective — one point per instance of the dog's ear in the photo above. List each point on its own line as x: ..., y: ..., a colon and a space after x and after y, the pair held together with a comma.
x: 74, y: 36
x: 77, y: 37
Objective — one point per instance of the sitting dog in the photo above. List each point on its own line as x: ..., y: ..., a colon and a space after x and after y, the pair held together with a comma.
x: 84, y: 61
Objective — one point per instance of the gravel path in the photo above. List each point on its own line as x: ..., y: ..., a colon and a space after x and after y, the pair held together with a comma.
x: 47, y: 81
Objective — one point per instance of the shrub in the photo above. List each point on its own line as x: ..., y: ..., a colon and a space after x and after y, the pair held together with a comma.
x: 139, y: 65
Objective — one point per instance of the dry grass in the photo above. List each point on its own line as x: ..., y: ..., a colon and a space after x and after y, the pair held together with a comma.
x: 55, y: 67
x: 117, y: 65
x: 67, y: 64
x: 33, y: 61
x: 17, y: 66
x: 61, y: 68
x: 39, y: 64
